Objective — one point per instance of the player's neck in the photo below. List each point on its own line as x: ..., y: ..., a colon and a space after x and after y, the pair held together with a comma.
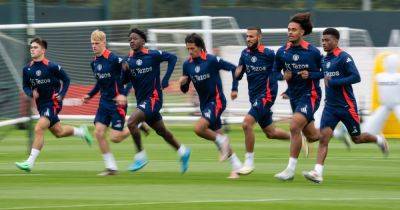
x: 297, y: 42
x: 139, y: 49
x: 38, y: 59
x: 101, y: 53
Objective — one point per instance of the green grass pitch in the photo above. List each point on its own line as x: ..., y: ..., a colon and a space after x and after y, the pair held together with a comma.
x: 64, y: 176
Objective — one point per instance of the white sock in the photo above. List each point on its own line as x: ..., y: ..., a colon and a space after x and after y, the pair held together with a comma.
x: 319, y: 169
x: 181, y: 150
x: 109, y: 161
x: 32, y: 157
x: 220, y: 139
x: 292, y: 164
x: 249, y: 159
x: 379, y: 140
x: 78, y: 132
x: 141, y: 155
x: 235, y: 162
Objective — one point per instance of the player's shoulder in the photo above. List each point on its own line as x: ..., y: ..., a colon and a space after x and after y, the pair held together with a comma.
x: 53, y: 65
x: 314, y: 49
x: 269, y: 51
x: 114, y: 57
x: 281, y: 49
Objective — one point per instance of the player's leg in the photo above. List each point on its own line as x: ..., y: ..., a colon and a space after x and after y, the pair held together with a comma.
x: 299, y: 121
x: 136, y: 117
x: 108, y: 157
x: 352, y: 123
x: 315, y: 175
x: 183, y: 152
x: 247, y: 126
x: 61, y: 131
x: 140, y: 158
x: 42, y: 124
x: 118, y: 136
x: 329, y: 121
x: 118, y: 132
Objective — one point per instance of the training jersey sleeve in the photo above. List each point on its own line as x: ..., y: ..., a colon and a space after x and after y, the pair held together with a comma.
x: 224, y: 65
x: 171, y: 59
x: 353, y: 76
x: 59, y: 73
x: 318, y: 60
x: 278, y: 66
x: 26, y: 83
x: 241, y: 63
x: 185, y: 88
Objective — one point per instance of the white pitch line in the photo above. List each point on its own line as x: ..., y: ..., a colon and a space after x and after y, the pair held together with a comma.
x: 199, y: 201
x: 27, y: 174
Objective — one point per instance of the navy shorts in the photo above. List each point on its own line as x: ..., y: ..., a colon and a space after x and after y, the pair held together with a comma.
x: 111, y: 113
x: 212, y: 112
x: 349, y: 117
x: 151, y: 108
x: 261, y: 111
x: 50, y: 110
x: 306, y: 105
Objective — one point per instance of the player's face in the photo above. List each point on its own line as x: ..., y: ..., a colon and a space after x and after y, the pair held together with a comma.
x: 295, y: 32
x: 36, y: 50
x: 329, y: 43
x: 135, y: 41
x: 193, y: 50
x: 98, y: 46
x: 252, y: 38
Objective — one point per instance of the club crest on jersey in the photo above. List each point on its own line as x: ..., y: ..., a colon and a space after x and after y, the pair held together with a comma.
x: 296, y: 57
x: 38, y: 73
x: 197, y: 69
x: 328, y: 65
x: 139, y: 62
x: 254, y: 59
x: 99, y: 67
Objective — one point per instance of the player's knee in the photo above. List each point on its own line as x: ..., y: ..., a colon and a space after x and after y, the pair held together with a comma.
x: 98, y: 133
x: 246, y: 126
x: 133, y: 126
x: 115, y: 139
x: 270, y: 134
x: 294, y: 128
x: 39, y: 129
x: 161, y: 132
x: 58, y: 134
x: 356, y: 139
x: 198, y: 129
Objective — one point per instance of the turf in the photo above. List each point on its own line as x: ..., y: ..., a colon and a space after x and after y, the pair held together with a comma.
x: 65, y: 176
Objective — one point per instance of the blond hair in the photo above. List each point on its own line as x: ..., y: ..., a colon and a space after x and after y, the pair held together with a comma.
x: 98, y: 35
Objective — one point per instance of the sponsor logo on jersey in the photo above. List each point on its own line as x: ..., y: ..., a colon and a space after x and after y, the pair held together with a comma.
x: 348, y: 60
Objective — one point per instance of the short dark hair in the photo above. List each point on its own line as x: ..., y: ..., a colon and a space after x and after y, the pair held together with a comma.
x: 258, y: 29
x: 304, y: 20
x: 196, y: 39
x: 40, y: 41
x: 138, y: 32
x: 332, y: 31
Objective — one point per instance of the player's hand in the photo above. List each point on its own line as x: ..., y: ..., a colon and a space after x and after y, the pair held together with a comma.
x: 35, y: 94
x: 164, y: 83
x: 234, y: 94
x: 85, y: 99
x: 285, y: 96
x: 304, y: 74
x: 287, y: 75
x: 58, y: 97
x: 238, y: 71
x: 326, y: 80
x: 183, y: 80
x: 125, y: 66
x: 121, y: 100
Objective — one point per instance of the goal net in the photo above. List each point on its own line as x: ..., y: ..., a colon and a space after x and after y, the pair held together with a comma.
x: 69, y: 46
